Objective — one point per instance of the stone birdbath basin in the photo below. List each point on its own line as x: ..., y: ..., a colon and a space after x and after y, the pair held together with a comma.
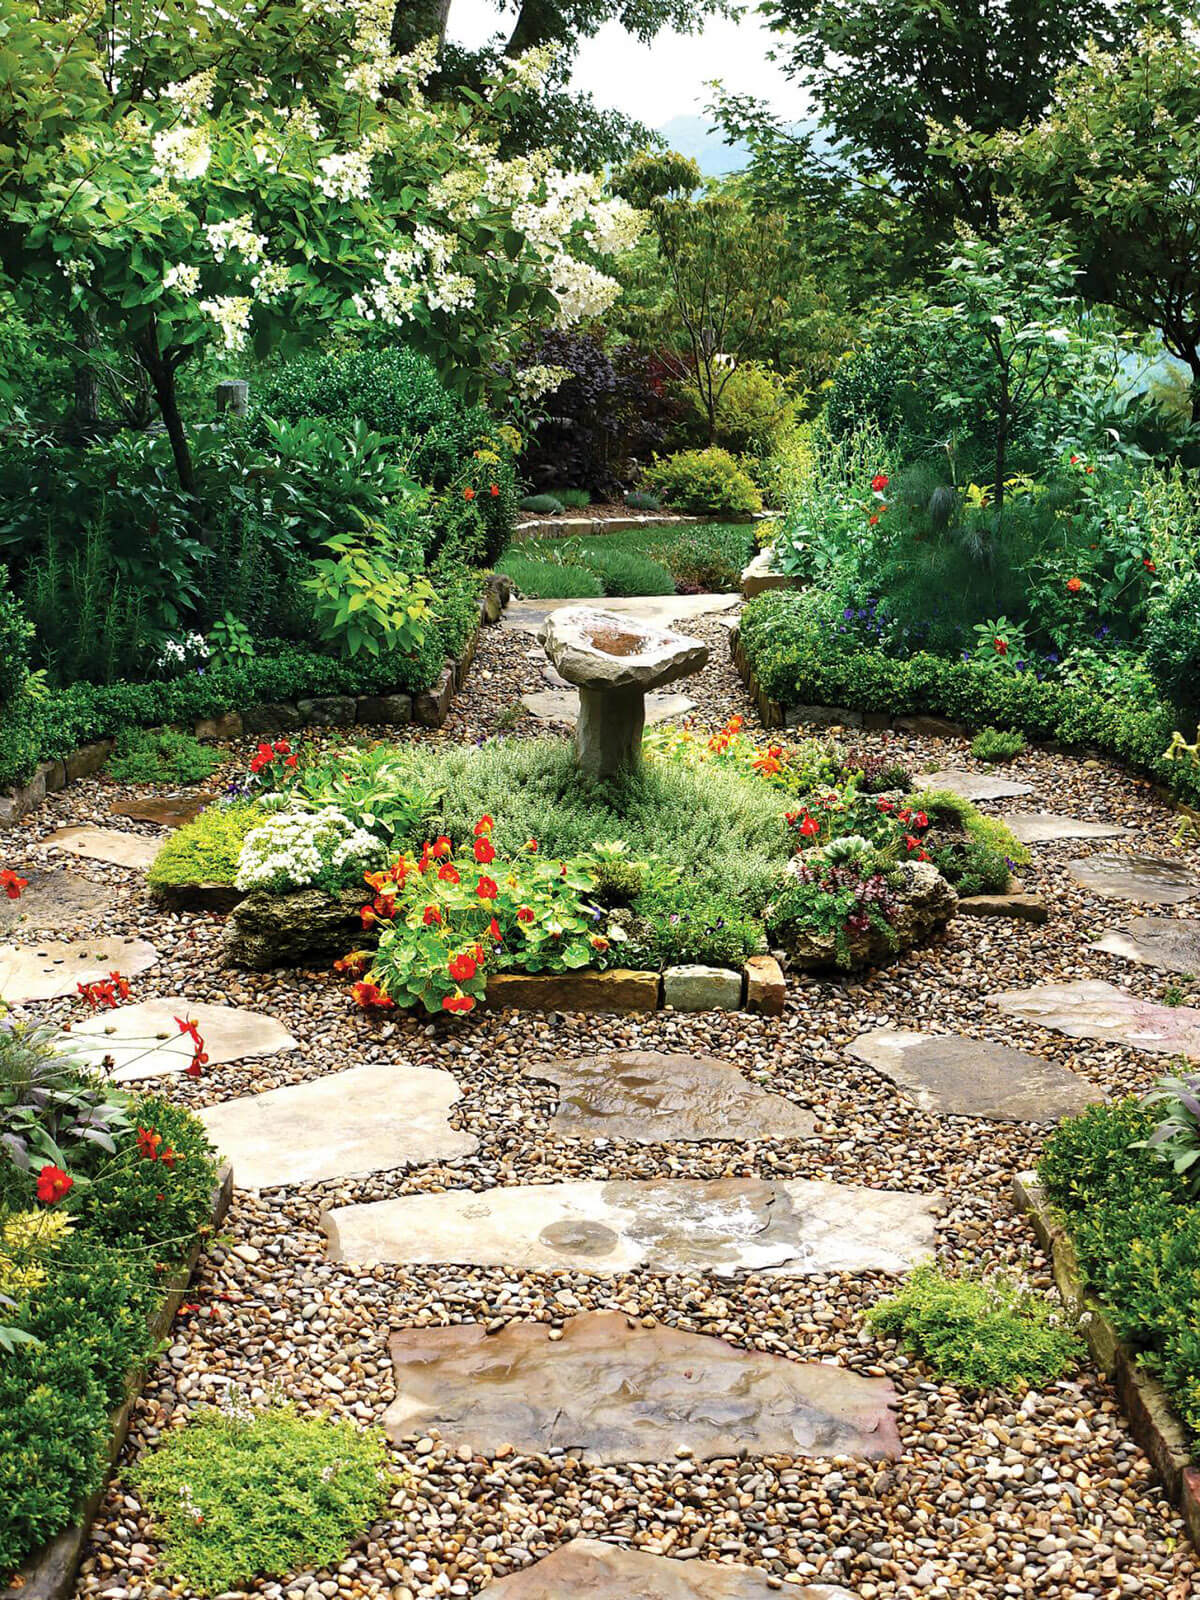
x: 614, y: 661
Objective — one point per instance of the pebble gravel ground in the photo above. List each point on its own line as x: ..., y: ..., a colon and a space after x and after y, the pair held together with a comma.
x: 1042, y: 1496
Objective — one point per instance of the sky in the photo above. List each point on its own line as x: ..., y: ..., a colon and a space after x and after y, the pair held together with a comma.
x: 654, y: 82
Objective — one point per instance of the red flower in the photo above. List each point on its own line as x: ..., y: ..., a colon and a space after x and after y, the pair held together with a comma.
x: 198, y: 1056
x: 462, y: 967
x: 148, y: 1142
x: 261, y: 758
x: 493, y: 489
x: 12, y: 884
x: 52, y: 1184
x: 431, y: 917
x: 484, y: 825
x: 370, y: 995
x: 448, y: 874
x: 1146, y: 562
x: 441, y: 846
x: 1000, y: 646
x: 291, y: 761
x: 884, y: 805
x: 100, y: 993
x: 525, y: 914
x: 911, y: 843
x: 356, y: 963
x: 282, y: 748
x: 192, y: 1070
x: 457, y: 1002
x: 494, y: 931
x: 468, y: 494
x: 485, y: 852
x: 120, y: 984
x: 880, y: 481
x: 168, y: 1156
x: 920, y: 820
x: 809, y: 826
x: 192, y: 1030
x: 367, y: 916
x: 871, y: 521
x: 1074, y: 461
x: 532, y: 846
x: 1074, y: 585
x: 487, y: 888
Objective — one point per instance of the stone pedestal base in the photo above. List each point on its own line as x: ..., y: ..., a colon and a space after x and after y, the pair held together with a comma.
x: 608, y: 735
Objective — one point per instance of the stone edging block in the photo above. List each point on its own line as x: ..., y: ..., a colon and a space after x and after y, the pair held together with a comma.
x: 1145, y: 1402
x: 1015, y: 903
x: 759, y: 987
x: 50, y: 1573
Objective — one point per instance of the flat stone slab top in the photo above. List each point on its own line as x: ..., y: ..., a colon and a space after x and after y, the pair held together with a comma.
x: 1133, y: 877
x: 661, y: 610
x: 588, y: 1569
x: 56, y: 899
x: 597, y: 649
x: 722, y: 1226
x: 367, y: 1119
x: 106, y: 844
x: 1091, y: 1009
x: 167, y: 810
x: 1044, y: 827
x: 1167, y: 942
x: 145, y: 1041
x: 953, y: 1076
x: 612, y: 1393
x: 47, y: 971
x: 562, y: 705
x: 974, y: 785
x: 646, y: 1097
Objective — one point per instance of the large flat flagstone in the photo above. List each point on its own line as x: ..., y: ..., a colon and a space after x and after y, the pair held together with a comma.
x: 106, y: 844
x: 562, y: 705
x: 587, y: 1569
x: 50, y: 969
x: 615, y: 1393
x: 367, y: 1119
x: 167, y: 810
x: 1134, y: 877
x: 145, y: 1041
x: 1045, y: 827
x: 1091, y: 1009
x: 974, y: 785
x: 648, y: 1097
x: 57, y: 900
x: 954, y: 1076
x: 668, y: 1225
x: 1170, y: 943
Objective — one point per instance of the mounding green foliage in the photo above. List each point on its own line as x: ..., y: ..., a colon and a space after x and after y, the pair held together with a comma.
x: 550, y: 580
x: 543, y: 505
x: 639, y: 501
x: 943, y: 805
x: 576, y: 499
x: 626, y: 572
x: 998, y: 744
x: 240, y: 1494
x: 979, y: 1333
x: 161, y: 755
x: 205, y: 850
x: 705, y: 482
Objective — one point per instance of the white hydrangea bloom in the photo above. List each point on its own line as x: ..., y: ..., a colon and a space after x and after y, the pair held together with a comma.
x: 183, y: 277
x: 450, y: 291
x: 614, y: 226
x: 231, y: 313
x: 194, y: 95
x: 538, y: 379
x: 181, y: 153
x: 235, y: 233
x: 296, y: 849
x: 531, y: 69
x: 270, y: 281
x: 346, y: 175
x: 582, y: 292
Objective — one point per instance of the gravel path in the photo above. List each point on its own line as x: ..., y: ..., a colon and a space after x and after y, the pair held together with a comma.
x: 991, y: 1497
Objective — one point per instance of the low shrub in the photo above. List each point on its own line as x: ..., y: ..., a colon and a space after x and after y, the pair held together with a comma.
x: 240, y: 1494
x: 543, y: 505
x: 161, y: 755
x: 676, y: 925
x: 637, y: 500
x: 978, y: 1333
x: 998, y: 744
x: 1171, y: 642
x: 205, y: 850
x: 987, y: 833
x: 626, y: 572
x: 706, y: 483
x: 708, y: 558
x: 576, y: 499
x: 550, y: 580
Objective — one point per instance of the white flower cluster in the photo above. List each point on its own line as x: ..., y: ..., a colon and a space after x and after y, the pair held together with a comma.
x: 372, y: 46
x: 231, y: 313
x: 181, y: 152
x: 194, y: 95
x: 182, y: 652
x: 457, y: 193
x: 508, y: 183
x: 183, y: 277
x: 77, y: 272
x: 530, y: 70
x: 295, y: 849
x: 270, y: 281
x: 346, y: 174
x: 614, y: 226
x: 235, y: 233
x: 537, y: 379
x: 392, y: 297
x: 581, y: 290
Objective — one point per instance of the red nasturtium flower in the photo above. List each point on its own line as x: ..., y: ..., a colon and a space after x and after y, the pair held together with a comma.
x: 484, y: 825
x: 431, y: 916
x: 1074, y: 585
x: 52, y: 1184
x: 1146, y: 562
x: 148, y: 1141
x: 371, y: 996
x: 494, y: 931
x: 468, y: 494
x: 525, y: 914
x: 458, y: 1002
x: 12, y: 884
x: 809, y: 826
x: 871, y: 521
x: 199, y: 1058
x: 356, y: 963
x: 532, y: 846
x: 448, y: 874
x: 441, y: 847
x: 487, y: 888
x: 462, y: 967
x: 485, y: 852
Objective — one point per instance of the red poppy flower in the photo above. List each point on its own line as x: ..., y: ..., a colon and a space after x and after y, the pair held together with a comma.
x: 485, y: 852
x: 809, y: 826
x: 525, y: 914
x: 448, y: 874
x: 458, y: 1002
x: 52, y: 1184
x: 493, y: 489
x: 148, y: 1142
x: 431, y: 917
x: 12, y: 884
x: 1074, y: 585
x: 468, y: 494
x: 462, y: 967
x: 487, y: 888
x: 880, y: 481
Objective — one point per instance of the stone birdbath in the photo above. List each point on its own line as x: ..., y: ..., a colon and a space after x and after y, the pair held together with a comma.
x: 614, y: 661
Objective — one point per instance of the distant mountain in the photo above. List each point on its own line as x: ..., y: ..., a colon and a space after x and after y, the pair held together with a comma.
x: 696, y: 137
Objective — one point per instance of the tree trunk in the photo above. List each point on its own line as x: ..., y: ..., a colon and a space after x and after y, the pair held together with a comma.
x: 538, y: 22
x: 162, y: 380
x: 85, y: 408
x: 416, y: 20
x: 1001, y: 445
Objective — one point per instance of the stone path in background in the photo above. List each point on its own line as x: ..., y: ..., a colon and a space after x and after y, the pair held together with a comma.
x: 1045, y: 827
x: 1091, y: 1009
x: 973, y: 785
x: 48, y: 970
x: 145, y: 1040
x: 106, y: 844
x: 168, y: 811
x: 55, y: 900
x: 954, y: 1076
x: 367, y: 1119
x: 1166, y: 942
x: 667, y: 1225
x: 587, y: 1569
x: 610, y: 1392
x: 648, y: 1097
x: 1135, y: 877
x: 562, y: 705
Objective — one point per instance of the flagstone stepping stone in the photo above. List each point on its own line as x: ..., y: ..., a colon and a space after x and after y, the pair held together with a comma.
x: 1133, y: 877
x: 168, y: 810
x: 961, y: 1077
x: 649, y: 1098
x: 612, y: 1393
x: 145, y: 1040
x: 1167, y: 942
x: 106, y: 844
x: 666, y: 1224
x: 1044, y: 827
x: 974, y: 785
x: 46, y: 971
x: 562, y: 705
x: 588, y: 1569
x: 56, y: 900
x: 1090, y: 1009
x: 367, y: 1119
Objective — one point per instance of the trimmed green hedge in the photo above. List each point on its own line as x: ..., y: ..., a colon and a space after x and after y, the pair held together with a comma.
x: 798, y: 659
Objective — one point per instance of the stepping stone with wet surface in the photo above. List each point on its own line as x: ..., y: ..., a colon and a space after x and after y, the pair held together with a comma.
x: 167, y: 810
x: 106, y: 844
x: 647, y: 1097
x: 1170, y: 943
x: 974, y: 785
x: 590, y: 1570
x: 1046, y: 827
x: 723, y: 1226
x: 367, y: 1119
x: 610, y: 1392
x: 954, y: 1076
x: 49, y: 970
x: 1135, y: 877
x: 57, y: 900
x: 146, y: 1041
x: 1091, y: 1009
